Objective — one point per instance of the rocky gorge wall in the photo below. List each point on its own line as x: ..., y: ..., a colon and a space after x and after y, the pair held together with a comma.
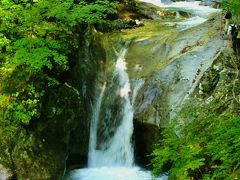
x: 193, y: 66
x: 176, y: 65
x: 168, y: 57
x: 171, y: 59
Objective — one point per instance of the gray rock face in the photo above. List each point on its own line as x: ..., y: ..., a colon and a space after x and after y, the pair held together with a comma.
x: 149, y: 95
x: 179, y: 65
x: 172, y: 65
x: 181, y: 76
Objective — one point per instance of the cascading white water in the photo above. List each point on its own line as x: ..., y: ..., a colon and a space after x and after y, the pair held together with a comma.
x: 112, y: 158
x: 116, y: 160
x: 93, y: 128
x: 119, y: 151
x: 178, y: 15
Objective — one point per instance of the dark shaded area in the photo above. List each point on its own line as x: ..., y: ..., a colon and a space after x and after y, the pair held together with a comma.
x: 76, y: 161
x: 145, y: 137
x: 84, y: 72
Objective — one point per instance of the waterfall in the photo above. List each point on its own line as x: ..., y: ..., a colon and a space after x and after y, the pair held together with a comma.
x: 178, y: 15
x: 111, y: 156
x: 118, y: 151
x: 93, y: 127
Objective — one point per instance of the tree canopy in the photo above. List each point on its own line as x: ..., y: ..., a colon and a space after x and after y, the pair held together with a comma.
x: 36, y: 38
x: 233, y: 6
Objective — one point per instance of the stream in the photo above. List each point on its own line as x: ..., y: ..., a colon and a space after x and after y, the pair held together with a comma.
x: 111, y: 151
x: 113, y: 158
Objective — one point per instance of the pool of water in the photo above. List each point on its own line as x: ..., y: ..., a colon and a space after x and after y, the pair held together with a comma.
x: 106, y: 173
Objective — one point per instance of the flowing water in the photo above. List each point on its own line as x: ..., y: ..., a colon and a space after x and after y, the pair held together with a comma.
x: 111, y: 154
x: 121, y: 173
x: 93, y: 128
x: 113, y: 159
x: 118, y: 150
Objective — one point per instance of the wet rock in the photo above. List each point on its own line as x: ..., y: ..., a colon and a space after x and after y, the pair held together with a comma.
x: 87, y: 70
x: 149, y: 95
x: 148, y: 10
x: 188, y: 58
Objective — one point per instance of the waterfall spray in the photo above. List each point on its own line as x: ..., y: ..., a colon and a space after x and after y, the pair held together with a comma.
x: 93, y: 128
x: 117, y: 151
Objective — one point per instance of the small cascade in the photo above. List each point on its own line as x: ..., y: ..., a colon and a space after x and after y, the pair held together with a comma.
x: 118, y: 150
x: 177, y: 15
x: 110, y: 148
x: 93, y: 127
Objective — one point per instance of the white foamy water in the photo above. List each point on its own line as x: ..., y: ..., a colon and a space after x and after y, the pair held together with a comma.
x: 123, y: 76
x: 191, y: 22
x: 119, y: 150
x: 113, y: 174
x: 201, y: 13
x: 93, y: 128
x: 193, y: 7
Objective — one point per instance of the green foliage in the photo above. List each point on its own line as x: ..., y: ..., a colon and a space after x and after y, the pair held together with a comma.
x: 200, y: 146
x: 37, y: 37
x: 37, y: 53
x: 232, y: 5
